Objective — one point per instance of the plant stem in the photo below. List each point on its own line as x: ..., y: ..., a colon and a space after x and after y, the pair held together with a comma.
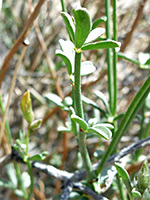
x: 115, y: 57
x: 79, y: 112
x: 109, y: 61
x: 20, y: 183
x: 120, y: 186
x: 31, y: 178
x: 63, y: 6
x: 128, y: 117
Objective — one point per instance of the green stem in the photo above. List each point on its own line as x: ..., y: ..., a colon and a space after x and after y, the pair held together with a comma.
x: 109, y: 60
x: 31, y: 178
x: 115, y: 57
x: 20, y: 183
x: 79, y: 112
x: 128, y: 117
x: 120, y: 186
x: 27, y: 142
x: 138, y: 152
x: 63, y: 6
x: 121, y: 55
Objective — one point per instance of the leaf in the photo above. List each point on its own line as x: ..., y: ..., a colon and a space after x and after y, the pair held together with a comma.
x: 94, y: 34
x: 143, y: 177
x: 102, y: 97
x: 66, y: 60
x: 55, y: 99
x: 26, y: 181
x: 92, y: 103
x: 136, y: 193
x: 83, y: 124
x: 68, y: 48
x: 147, y: 101
x: 99, y: 21
x: 82, y: 26
x: 125, y: 177
x: 12, y: 174
x: 101, y: 45
x: 87, y: 68
x: 64, y: 129
x: 69, y: 25
x: 110, y: 126
x: 39, y: 156
x: 101, y: 131
x: 68, y: 101
x: 6, y: 184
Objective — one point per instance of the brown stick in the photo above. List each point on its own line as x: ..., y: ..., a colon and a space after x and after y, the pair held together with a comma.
x: 130, y: 33
x: 20, y: 39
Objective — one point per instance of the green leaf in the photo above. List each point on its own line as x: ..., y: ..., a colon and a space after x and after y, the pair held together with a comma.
x: 83, y: 124
x: 69, y: 25
x: 147, y: 101
x: 39, y: 156
x: 82, y: 26
x: 19, y: 193
x: 64, y: 129
x: 26, y: 181
x: 125, y: 177
x: 36, y: 124
x: 66, y: 60
x: 6, y: 184
x: 68, y: 48
x: 12, y: 174
x: 87, y: 68
x: 102, y: 97
x: 68, y: 101
x: 110, y: 126
x: 94, y: 34
x: 101, y: 131
x: 55, y: 99
x: 143, y: 177
x: 136, y: 193
x: 99, y: 21
x: 101, y: 45
x: 26, y: 107
x: 92, y: 103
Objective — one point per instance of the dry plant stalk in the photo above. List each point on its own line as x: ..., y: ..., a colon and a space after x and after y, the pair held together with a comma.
x: 19, y: 41
x: 12, y: 86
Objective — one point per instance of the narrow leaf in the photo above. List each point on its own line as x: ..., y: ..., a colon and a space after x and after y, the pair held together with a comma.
x: 39, y: 157
x: 101, y: 45
x: 63, y: 129
x: 55, y: 99
x: 94, y: 34
x: 6, y: 184
x: 136, y: 193
x: 102, y: 97
x: 87, y: 68
x: 66, y: 60
x: 92, y: 103
x: 110, y: 126
x: 99, y: 21
x: 101, y: 131
x: 69, y: 24
x: 83, y: 124
x: 82, y: 26
x: 125, y: 177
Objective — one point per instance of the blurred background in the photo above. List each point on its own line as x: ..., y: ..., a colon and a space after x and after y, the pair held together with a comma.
x: 35, y: 74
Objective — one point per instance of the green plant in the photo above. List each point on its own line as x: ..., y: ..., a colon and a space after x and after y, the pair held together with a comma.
x: 140, y: 189
x: 83, y: 38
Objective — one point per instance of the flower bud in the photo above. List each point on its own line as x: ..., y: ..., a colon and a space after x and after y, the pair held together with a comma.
x: 143, y: 177
x: 36, y: 124
x: 26, y: 107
